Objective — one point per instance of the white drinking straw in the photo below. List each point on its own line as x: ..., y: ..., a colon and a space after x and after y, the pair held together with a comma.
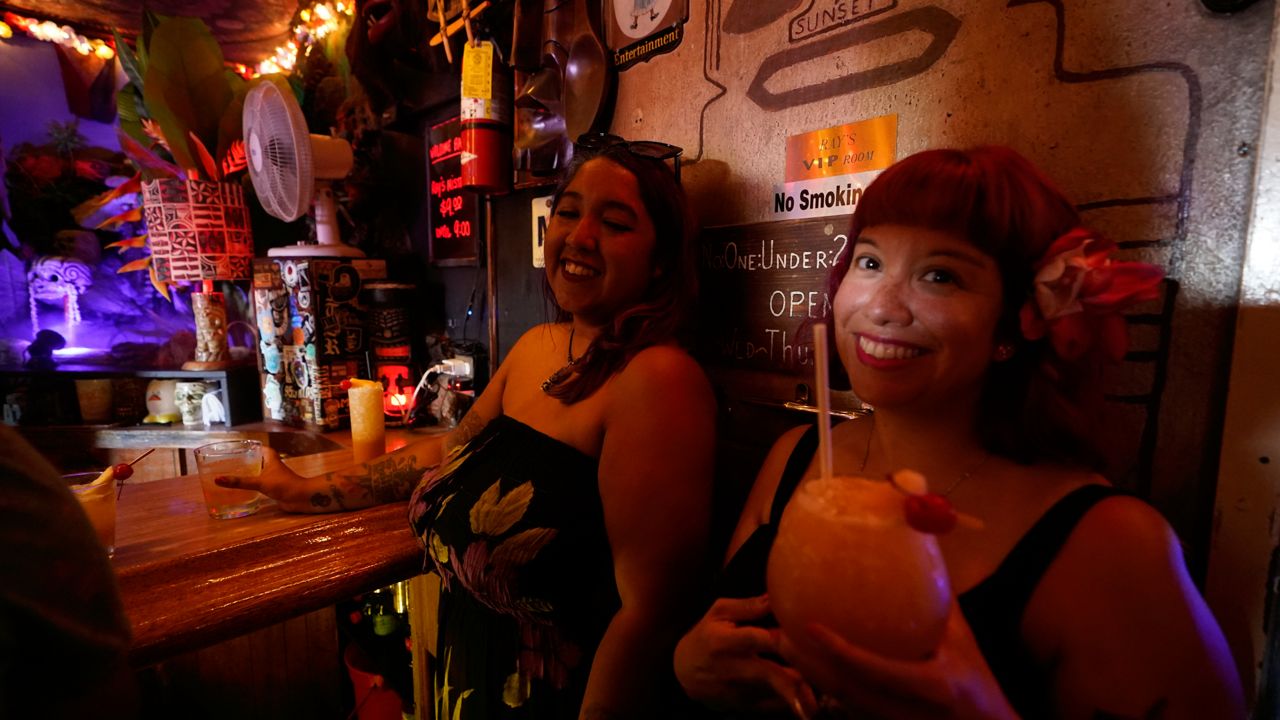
x: 823, y: 383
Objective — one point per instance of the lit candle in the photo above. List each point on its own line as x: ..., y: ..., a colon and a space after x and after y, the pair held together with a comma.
x: 399, y: 405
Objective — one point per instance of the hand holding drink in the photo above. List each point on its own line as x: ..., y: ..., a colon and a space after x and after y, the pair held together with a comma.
x: 234, y: 459
x: 846, y: 558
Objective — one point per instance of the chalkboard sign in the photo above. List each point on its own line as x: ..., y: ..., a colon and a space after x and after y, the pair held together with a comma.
x: 455, y: 212
x: 761, y: 285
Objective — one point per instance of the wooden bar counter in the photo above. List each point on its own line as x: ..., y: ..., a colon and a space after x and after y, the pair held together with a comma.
x: 189, y: 580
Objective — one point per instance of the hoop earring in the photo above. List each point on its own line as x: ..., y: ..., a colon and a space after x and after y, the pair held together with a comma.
x: 1004, y: 351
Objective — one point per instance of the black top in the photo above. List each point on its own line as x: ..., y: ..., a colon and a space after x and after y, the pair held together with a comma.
x: 514, y: 525
x: 993, y: 608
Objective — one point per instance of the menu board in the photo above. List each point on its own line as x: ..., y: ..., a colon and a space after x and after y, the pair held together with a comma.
x: 762, y: 287
x: 455, y: 212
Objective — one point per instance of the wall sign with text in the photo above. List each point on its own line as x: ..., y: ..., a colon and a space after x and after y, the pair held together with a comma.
x: 539, y: 216
x: 456, y: 221
x: 761, y: 286
x: 640, y: 29
x: 828, y: 169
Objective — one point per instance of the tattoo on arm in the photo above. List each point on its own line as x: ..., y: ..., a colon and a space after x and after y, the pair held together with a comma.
x: 393, y: 478
x: 470, y: 426
x: 1155, y: 712
x: 334, y: 493
x: 380, y: 481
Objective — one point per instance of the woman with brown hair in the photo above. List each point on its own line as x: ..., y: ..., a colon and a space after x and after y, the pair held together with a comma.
x: 570, y: 516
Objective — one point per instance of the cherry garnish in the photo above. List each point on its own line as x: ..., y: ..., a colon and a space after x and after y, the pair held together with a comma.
x: 926, y: 512
x: 930, y: 513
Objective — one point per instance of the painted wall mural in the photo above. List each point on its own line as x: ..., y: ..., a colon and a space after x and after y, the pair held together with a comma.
x: 1145, y: 113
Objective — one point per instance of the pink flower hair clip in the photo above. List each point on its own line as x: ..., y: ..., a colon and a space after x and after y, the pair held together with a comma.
x: 1079, y: 292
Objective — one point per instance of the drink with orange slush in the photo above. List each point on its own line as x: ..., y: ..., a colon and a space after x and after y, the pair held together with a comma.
x: 368, y: 422
x: 845, y: 558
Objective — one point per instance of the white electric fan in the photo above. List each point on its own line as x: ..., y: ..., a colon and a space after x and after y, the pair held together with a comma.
x: 291, y: 169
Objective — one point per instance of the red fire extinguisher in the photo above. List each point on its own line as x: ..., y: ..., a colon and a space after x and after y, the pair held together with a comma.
x: 486, y: 120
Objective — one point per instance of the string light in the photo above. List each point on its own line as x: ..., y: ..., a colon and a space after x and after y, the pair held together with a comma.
x: 49, y: 31
x: 314, y: 24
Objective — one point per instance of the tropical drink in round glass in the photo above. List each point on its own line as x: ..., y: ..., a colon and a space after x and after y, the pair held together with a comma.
x: 845, y: 558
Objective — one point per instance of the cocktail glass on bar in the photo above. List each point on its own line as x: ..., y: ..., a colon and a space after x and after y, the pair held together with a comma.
x: 368, y: 420
x: 229, y: 458
x: 99, y: 502
x: 846, y: 559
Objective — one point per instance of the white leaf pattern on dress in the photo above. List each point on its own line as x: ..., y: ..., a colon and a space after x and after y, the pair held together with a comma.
x: 494, y: 513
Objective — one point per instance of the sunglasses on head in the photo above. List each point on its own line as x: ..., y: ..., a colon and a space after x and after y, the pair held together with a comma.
x: 592, y: 143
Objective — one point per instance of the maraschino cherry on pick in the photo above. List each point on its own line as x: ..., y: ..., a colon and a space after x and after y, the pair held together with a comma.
x: 926, y: 512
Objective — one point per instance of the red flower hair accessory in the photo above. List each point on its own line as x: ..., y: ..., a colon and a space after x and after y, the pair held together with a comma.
x: 1079, y: 292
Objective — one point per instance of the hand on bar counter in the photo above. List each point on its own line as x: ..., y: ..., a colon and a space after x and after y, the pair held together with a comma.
x: 386, y: 478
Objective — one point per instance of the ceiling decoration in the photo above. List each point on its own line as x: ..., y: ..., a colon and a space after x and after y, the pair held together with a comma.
x: 247, y: 30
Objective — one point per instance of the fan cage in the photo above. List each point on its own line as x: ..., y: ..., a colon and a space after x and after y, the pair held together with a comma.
x: 280, y: 165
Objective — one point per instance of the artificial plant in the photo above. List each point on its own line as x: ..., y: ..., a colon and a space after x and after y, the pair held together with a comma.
x: 179, y: 116
x: 181, y: 98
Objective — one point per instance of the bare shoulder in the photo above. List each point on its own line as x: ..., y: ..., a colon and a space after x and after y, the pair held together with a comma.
x: 665, y: 375
x: 522, y: 363
x: 755, y: 512
x: 1117, y: 535
x: 1119, y: 596
x: 661, y: 395
x: 771, y: 470
x: 1120, y: 520
x: 535, y: 354
x: 664, y: 362
x: 538, y: 339
x: 1024, y: 493
x: 1133, y: 533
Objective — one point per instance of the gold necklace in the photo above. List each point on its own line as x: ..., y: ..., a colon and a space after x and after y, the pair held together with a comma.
x: 866, y: 455
x: 563, y: 373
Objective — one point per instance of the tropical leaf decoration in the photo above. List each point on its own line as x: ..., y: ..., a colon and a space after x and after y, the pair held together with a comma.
x: 179, y: 115
x: 185, y: 87
x: 181, y: 89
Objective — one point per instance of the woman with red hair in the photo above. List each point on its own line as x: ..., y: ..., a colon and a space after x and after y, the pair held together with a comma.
x: 974, y: 313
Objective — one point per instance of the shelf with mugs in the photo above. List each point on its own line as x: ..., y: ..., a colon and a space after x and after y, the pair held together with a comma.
x: 57, y: 396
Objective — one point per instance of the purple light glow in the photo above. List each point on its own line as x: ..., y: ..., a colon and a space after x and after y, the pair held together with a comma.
x: 76, y: 353
x: 124, y: 321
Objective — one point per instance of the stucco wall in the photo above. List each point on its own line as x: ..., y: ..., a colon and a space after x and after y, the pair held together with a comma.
x: 31, y: 96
